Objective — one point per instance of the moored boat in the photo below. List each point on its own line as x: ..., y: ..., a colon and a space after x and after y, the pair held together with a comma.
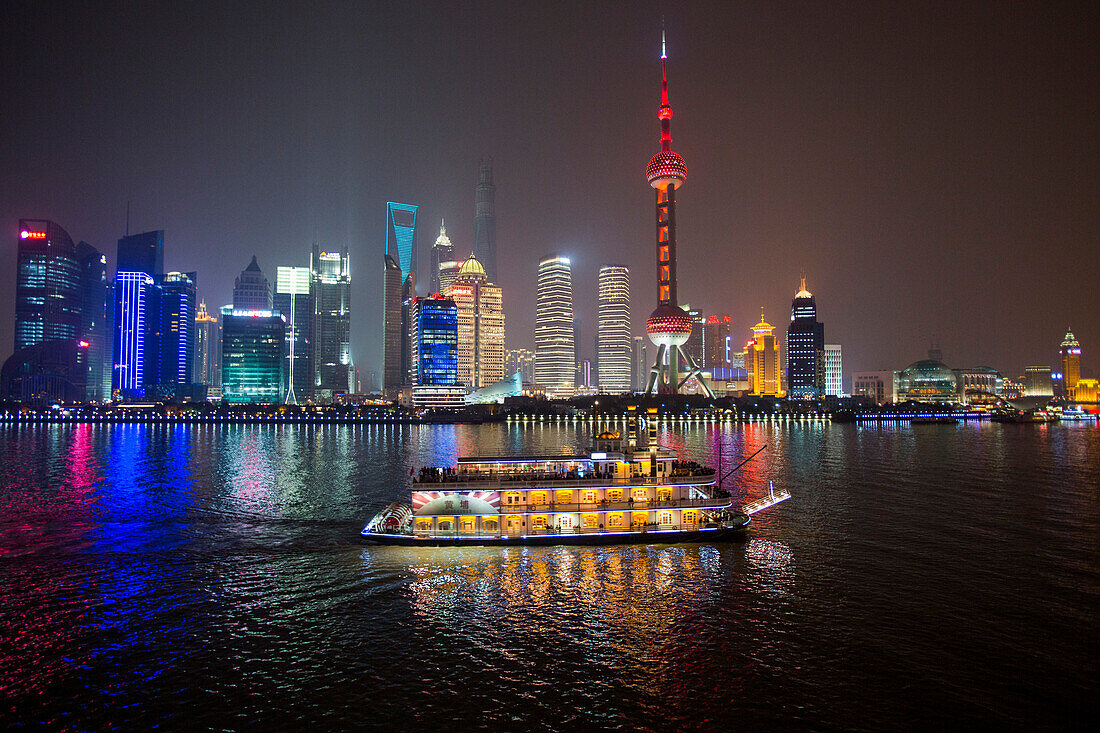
x: 625, y: 489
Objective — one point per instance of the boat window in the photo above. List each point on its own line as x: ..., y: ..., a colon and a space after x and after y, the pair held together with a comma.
x: 666, y: 517
x: 614, y: 494
x: 539, y: 522
x: 564, y: 496
x: 615, y: 520
x: 589, y: 521
x: 589, y: 496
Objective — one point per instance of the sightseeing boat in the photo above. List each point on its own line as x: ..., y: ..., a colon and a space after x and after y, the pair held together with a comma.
x: 626, y: 489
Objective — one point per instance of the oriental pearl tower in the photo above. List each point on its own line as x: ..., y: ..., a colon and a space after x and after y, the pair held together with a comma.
x: 669, y: 326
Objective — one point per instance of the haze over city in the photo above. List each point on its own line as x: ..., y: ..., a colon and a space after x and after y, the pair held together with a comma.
x: 932, y: 170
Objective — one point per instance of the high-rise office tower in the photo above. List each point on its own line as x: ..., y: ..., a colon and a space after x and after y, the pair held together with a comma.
x: 716, y: 341
x: 442, y: 252
x: 208, y: 343
x: 391, y: 326
x: 252, y: 291
x: 401, y: 236
x: 408, y: 295
x: 694, y: 346
x: 95, y: 311
x: 448, y: 271
x: 138, y: 324
x: 555, y: 355
x: 176, y: 346
x: 48, y: 294
x: 522, y: 361
x: 485, y: 221
x: 834, y: 377
x: 480, y: 326
x: 1038, y: 381
x: 332, y: 323
x: 435, y: 341
x: 1070, y: 351
x: 294, y: 299
x: 134, y: 339
x: 765, y: 351
x: 253, y: 342
x: 805, y: 347
x: 668, y: 327
x: 613, y: 343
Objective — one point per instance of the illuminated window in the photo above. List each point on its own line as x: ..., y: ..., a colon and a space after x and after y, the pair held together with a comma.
x: 614, y: 520
x: 539, y: 521
x: 665, y: 517
x: 537, y: 497
x: 640, y: 494
x: 590, y: 521
x: 589, y: 496
x: 664, y: 494
x: 565, y: 496
x: 614, y: 494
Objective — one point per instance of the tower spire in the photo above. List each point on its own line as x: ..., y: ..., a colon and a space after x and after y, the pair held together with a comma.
x: 664, y: 112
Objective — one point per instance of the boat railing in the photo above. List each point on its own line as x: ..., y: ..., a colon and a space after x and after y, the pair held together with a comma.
x: 504, y: 482
x: 615, y: 506
x: 560, y: 531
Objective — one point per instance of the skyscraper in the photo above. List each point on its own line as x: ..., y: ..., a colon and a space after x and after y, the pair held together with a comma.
x: 176, y: 345
x: 448, y: 271
x: 391, y: 326
x: 765, y: 350
x: 332, y: 323
x: 435, y: 340
x: 668, y: 327
x: 485, y: 221
x: 208, y: 344
x: 442, y: 252
x: 139, y: 327
x: 95, y: 311
x: 555, y: 356
x: 640, y: 366
x: 613, y: 343
x: 1070, y: 351
x: 521, y: 361
x: 252, y: 291
x: 805, y: 347
x: 294, y: 299
x: 401, y: 236
x: 480, y: 310
x: 834, y: 375
x: 716, y: 341
x: 48, y: 295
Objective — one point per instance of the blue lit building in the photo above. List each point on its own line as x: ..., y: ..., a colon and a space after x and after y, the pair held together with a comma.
x: 133, y: 340
x: 48, y: 294
x: 142, y: 253
x: 176, y: 347
x: 435, y: 341
x: 401, y: 236
x: 805, y: 353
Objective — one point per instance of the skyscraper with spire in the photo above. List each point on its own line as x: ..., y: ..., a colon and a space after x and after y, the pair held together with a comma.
x: 485, y: 221
x: 442, y: 251
x: 669, y: 326
x: 805, y: 347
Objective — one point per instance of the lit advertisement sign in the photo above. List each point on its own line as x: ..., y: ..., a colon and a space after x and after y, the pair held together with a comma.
x: 27, y: 234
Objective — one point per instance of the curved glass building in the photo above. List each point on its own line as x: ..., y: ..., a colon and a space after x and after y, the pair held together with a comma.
x: 927, y: 380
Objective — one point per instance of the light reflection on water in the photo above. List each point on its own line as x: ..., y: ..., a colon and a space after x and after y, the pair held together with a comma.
x: 208, y: 575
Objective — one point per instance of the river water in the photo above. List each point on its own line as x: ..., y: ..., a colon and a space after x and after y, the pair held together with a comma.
x: 208, y: 576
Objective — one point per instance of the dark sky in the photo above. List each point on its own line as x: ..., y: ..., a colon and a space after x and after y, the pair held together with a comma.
x: 934, y: 168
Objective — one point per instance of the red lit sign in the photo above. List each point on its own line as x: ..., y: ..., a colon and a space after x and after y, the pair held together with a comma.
x: 31, y: 235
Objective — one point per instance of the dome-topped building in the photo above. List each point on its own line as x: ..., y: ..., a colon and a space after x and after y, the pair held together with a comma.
x: 928, y: 380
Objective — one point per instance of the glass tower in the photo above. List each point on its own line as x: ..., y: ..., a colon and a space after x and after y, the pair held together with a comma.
x: 442, y: 252
x: 294, y: 299
x: 391, y: 326
x: 805, y: 347
x: 176, y: 355
x: 613, y: 342
x: 48, y: 293
x: 485, y: 221
x: 331, y: 272
x: 252, y: 355
x: 435, y: 339
x: 132, y: 341
x: 208, y: 342
x: 401, y: 236
x: 555, y: 355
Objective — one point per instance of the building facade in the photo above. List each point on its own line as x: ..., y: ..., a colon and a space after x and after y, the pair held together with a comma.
x: 555, y: 353
x: 335, y: 372
x: 138, y: 325
x: 401, y: 236
x: 521, y: 361
x: 834, y: 372
x: 293, y: 298
x: 1038, y: 381
x: 253, y: 343
x: 485, y: 221
x: 927, y: 380
x: 877, y: 385
x: 442, y: 252
x: 252, y: 291
x: 176, y: 345
x: 613, y: 342
x: 716, y: 341
x: 766, y: 363
x: 48, y: 293
x: 1070, y: 353
x: 638, y: 363
x: 95, y: 319
x: 805, y: 347
x: 391, y: 327
x: 208, y: 344
x: 480, y: 326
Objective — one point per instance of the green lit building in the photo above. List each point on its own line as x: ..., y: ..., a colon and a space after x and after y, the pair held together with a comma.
x: 253, y: 347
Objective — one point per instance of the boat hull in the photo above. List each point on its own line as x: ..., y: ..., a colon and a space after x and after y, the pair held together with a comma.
x: 711, y: 534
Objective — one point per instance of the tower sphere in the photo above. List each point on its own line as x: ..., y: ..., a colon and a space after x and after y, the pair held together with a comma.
x: 666, y: 167
x: 668, y: 325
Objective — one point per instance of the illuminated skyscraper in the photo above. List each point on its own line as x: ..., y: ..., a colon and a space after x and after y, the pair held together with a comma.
x: 805, y: 347
x: 555, y: 355
x: 479, y: 304
x: 1070, y: 351
x: 485, y: 221
x: 208, y: 344
x: 716, y: 341
x: 335, y: 373
x: 176, y: 346
x: 521, y: 361
x: 834, y: 376
x: 294, y: 299
x: 435, y: 341
x: 252, y: 291
x: 391, y: 327
x: 639, y: 364
x: 765, y: 351
x: 253, y: 342
x: 48, y: 293
x: 442, y: 252
x: 95, y: 312
x: 613, y: 343
x: 401, y: 236
x: 668, y: 327
x: 137, y: 315
x: 448, y: 271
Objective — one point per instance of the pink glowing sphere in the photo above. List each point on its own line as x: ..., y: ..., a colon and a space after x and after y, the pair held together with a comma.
x: 664, y: 168
x: 668, y: 325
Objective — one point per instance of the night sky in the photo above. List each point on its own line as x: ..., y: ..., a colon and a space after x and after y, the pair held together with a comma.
x: 934, y: 169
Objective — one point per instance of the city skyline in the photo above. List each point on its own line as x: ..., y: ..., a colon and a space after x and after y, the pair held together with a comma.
x: 783, y: 181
